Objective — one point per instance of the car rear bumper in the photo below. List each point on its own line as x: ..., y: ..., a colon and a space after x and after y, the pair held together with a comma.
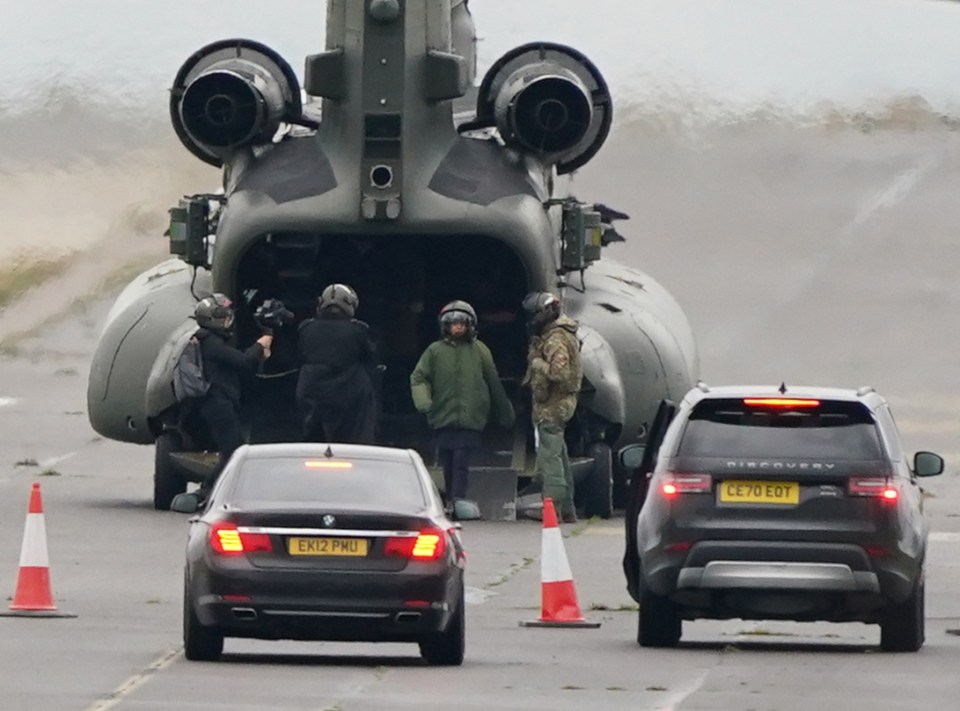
x: 725, y: 574
x: 779, y: 565
x: 371, y: 606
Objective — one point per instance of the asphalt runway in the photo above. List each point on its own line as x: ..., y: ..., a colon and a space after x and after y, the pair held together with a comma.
x: 822, y: 255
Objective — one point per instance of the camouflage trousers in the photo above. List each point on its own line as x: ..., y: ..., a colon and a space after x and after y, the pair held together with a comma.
x: 553, y: 466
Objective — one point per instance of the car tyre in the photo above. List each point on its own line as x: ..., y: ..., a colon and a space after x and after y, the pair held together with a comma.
x: 168, y: 481
x: 659, y: 623
x: 200, y: 643
x: 598, y: 488
x: 902, y: 627
x: 447, y: 648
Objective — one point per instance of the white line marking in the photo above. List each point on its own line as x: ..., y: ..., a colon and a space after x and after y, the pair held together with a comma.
x: 678, y: 697
x: 604, y: 531
x: 47, y: 463
x: 136, y: 681
x: 944, y: 537
x: 8, y: 401
x: 477, y: 596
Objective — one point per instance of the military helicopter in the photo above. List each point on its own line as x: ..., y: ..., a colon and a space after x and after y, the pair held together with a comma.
x: 391, y: 170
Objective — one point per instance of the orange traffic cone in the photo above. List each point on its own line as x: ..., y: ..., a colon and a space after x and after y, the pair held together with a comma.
x: 33, y: 597
x: 559, y: 598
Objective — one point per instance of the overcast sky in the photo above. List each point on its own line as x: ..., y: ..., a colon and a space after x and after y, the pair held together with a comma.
x: 738, y: 51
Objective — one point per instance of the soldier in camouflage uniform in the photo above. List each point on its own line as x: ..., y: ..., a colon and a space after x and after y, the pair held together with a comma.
x: 553, y: 374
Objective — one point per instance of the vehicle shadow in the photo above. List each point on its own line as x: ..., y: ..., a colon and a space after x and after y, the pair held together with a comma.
x: 323, y: 660
x: 780, y: 645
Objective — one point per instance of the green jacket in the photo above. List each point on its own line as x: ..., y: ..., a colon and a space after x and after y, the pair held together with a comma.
x: 456, y: 384
x: 554, y: 371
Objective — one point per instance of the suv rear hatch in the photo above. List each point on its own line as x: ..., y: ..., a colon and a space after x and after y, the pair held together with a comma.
x: 780, y: 468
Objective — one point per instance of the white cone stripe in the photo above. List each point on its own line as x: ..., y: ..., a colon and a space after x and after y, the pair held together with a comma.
x: 554, y: 567
x: 33, y: 554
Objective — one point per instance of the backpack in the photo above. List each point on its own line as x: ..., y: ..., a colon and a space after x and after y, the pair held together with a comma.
x: 189, y: 380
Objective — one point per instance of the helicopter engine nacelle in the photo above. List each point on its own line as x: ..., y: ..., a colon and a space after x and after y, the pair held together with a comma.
x: 547, y: 100
x: 232, y: 94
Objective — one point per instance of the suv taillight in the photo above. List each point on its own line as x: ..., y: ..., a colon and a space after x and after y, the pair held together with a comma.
x: 227, y: 539
x: 429, y: 544
x: 673, y: 484
x: 874, y: 486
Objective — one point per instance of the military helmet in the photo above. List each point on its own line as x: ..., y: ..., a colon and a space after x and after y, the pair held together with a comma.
x: 458, y: 312
x: 542, y: 307
x: 215, y: 313
x: 339, y: 296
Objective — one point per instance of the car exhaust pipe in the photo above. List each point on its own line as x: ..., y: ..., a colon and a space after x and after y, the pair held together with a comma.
x: 406, y: 618
x: 246, y: 614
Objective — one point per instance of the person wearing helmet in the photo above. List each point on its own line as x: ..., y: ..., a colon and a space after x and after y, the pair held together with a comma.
x: 224, y: 367
x: 553, y: 374
x: 335, y: 391
x: 456, y: 384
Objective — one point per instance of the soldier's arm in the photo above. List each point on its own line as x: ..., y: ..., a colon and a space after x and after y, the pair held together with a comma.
x: 229, y: 356
x: 503, y: 413
x: 555, y: 364
x: 420, y: 388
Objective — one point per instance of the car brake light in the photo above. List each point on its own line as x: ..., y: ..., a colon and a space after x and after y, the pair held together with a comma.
x: 674, y: 484
x: 428, y: 545
x: 873, y: 486
x: 327, y: 464
x: 227, y: 539
x: 780, y: 402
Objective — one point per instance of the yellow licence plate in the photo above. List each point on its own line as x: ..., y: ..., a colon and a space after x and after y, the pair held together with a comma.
x: 328, y: 546
x: 759, y: 492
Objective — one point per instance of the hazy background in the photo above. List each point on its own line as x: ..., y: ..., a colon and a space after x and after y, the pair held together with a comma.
x: 790, y: 166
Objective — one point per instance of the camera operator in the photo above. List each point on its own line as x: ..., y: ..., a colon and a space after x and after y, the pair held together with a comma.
x: 223, y: 367
x: 335, y: 391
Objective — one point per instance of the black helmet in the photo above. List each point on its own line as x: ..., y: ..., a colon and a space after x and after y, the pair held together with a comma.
x: 458, y: 312
x: 215, y: 313
x: 339, y: 296
x: 542, y: 307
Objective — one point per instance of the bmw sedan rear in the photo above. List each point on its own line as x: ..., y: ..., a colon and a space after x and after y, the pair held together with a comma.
x: 798, y: 506
x: 317, y: 542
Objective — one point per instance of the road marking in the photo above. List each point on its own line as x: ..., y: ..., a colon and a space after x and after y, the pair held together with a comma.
x: 47, y: 463
x: 8, y: 401
x: 944, y: 536
x: 136, y: 681
x: 477, y: 596
x: 604, y: 531
x: 678, y: 697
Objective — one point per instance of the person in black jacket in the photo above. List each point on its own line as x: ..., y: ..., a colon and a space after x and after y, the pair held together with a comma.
x: 224, y: 366
x: 335, y: 391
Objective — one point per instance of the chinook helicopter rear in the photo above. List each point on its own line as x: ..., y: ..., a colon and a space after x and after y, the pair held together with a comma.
x: 399, y: 188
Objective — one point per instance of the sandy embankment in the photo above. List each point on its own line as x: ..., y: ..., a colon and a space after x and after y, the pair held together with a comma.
x: 105, y: 216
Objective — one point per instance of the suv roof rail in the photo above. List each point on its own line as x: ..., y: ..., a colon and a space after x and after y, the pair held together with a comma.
x: 702, y: 386
x: 864, y: 390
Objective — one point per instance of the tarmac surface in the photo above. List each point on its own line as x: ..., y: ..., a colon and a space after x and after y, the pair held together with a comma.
x: 826, y: 256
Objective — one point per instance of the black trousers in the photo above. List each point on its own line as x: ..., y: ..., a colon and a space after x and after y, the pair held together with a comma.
x: 222, y: 417
x: 455, y: 448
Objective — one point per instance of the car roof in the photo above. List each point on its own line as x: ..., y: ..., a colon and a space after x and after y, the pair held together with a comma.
x: 866, y: 395
x: 331, y: 450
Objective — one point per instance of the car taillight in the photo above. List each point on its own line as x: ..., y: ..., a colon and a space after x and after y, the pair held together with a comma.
x: 429, y: 544
x: 227, y: 539
x: 875, y: 486
x: 674, y: 484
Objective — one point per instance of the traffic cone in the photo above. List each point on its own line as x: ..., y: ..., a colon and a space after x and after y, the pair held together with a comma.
x: 33, y: 597
x: 559, y: 606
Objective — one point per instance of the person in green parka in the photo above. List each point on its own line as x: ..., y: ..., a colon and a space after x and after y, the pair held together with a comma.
x: 455, y: 383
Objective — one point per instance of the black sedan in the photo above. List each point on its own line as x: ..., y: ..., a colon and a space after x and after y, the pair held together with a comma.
x: 778, y: 503
x: 324, y: 542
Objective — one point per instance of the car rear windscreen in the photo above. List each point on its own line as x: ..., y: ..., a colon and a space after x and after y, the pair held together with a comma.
x: 730, y: 428
x: 354, y: 483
